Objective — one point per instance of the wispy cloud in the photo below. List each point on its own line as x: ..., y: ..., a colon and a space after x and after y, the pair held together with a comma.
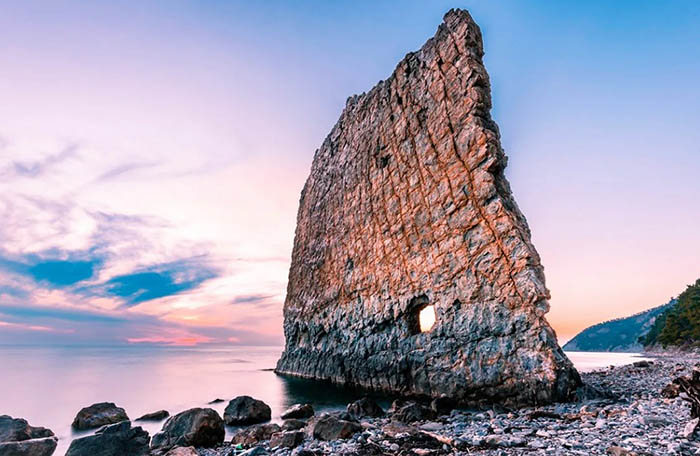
x: 36, y: 168
x: 122, y: 170
x: 251, y: 298
x: 23, y: 327
x: 27, y: 312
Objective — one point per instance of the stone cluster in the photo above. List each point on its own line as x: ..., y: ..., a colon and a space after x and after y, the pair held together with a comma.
x: 407, y: 206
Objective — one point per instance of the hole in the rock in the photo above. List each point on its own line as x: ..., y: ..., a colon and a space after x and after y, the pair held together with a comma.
x: 420, y: 315
x: 426, y: 318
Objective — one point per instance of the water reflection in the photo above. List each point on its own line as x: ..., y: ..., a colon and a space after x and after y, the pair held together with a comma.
x: 48, y: 385
x: 325, y: 395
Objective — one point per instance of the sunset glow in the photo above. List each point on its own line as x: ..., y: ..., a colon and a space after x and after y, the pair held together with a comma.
x: 151, y: 168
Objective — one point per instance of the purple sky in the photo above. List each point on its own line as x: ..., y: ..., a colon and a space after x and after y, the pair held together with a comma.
x: 152, y: 153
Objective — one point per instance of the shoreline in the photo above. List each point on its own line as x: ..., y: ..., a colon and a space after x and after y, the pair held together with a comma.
x: 622, y: 407
x: 630, y: 417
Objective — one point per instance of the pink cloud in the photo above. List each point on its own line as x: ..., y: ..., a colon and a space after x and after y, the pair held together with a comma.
x: 9, y: 325
x: 175, y: 341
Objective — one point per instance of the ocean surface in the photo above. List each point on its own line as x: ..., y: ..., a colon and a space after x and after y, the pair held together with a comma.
x: 49, y: 385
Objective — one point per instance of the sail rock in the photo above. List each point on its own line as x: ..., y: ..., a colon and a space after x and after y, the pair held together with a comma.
x: 407, y: 206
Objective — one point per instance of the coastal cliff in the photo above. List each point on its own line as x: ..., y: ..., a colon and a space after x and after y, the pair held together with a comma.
x: 407, y: 207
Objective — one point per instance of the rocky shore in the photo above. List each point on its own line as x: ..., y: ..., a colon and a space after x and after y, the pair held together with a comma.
x: 627, y: 410
x: 621, y: 411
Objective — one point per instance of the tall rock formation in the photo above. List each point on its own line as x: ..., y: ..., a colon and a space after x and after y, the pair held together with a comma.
x: 406, y: 207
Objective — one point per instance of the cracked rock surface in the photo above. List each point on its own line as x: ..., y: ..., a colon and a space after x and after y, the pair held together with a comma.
x: 407, y: 206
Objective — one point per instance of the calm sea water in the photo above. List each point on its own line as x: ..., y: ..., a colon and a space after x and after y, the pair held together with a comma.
x: 48, y: 385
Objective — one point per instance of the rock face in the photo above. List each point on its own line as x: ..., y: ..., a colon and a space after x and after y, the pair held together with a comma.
x: 113, y: 440
x: 407, y: 206
x: 19, y: 438
x: 198, y: 427
x: 98, y: 415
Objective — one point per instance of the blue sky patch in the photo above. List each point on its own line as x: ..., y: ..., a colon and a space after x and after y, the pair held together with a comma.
x: 55, y: 268
x: 159, y: 281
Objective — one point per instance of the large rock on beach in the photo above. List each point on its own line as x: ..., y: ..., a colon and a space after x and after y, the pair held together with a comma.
x: 154, y: 416
x: 293, y: 425
x: 365, y: 407
x: 114, y: 440
x: 44, y: 446
x: 246, y: 410
x: 198, y: 427
x: 18, y: 429
x: 412, y: 411
x: 19, y: 438
x: 98, y: 415
x: 407, y: 210
x: 330, y: 427
x: 287, y: 439
x: 253, y: 434
x: 298, y: 411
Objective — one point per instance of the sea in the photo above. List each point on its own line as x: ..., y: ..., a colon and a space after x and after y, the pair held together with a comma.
x: 48, y: 385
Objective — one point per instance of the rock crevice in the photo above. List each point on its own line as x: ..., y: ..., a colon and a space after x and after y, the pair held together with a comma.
x: 407, y: 205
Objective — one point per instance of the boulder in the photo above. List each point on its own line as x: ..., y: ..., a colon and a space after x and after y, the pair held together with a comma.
x: 252, y: 435
x: 198, y: 427
x: 155, y: 416
x: 364, y: 407
x: 287, y: 439
x: 298, y: 411
x: 182, y: 451
x: 19, y: 438
x: 18, y: 429
x: 293, y: 425
x: 98, y: 415
x: 113, y: 440
x: 44, y: 446
x: 413, y: 411
x: 246, y: 410
x: 329, y: 427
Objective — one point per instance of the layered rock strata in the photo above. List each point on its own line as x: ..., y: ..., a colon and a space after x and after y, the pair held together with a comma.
x: 406, y: 207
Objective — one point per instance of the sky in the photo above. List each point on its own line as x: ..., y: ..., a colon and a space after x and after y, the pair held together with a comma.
x: 152, y: 154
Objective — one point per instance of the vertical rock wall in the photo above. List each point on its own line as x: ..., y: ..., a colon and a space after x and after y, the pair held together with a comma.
x: 407, y: 206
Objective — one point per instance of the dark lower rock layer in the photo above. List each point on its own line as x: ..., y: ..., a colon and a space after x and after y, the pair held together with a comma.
x: 407, y: 206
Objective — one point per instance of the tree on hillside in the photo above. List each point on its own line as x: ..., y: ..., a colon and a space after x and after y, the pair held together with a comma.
x: 679, y: 325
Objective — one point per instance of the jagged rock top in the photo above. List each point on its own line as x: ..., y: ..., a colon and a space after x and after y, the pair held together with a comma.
x: 407, y: 206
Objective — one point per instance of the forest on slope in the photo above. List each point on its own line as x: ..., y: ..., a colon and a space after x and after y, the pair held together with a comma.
x: 678, y: 325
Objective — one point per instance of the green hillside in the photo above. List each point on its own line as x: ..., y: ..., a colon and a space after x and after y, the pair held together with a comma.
x: 620, y: 335
x: 680, y: 325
